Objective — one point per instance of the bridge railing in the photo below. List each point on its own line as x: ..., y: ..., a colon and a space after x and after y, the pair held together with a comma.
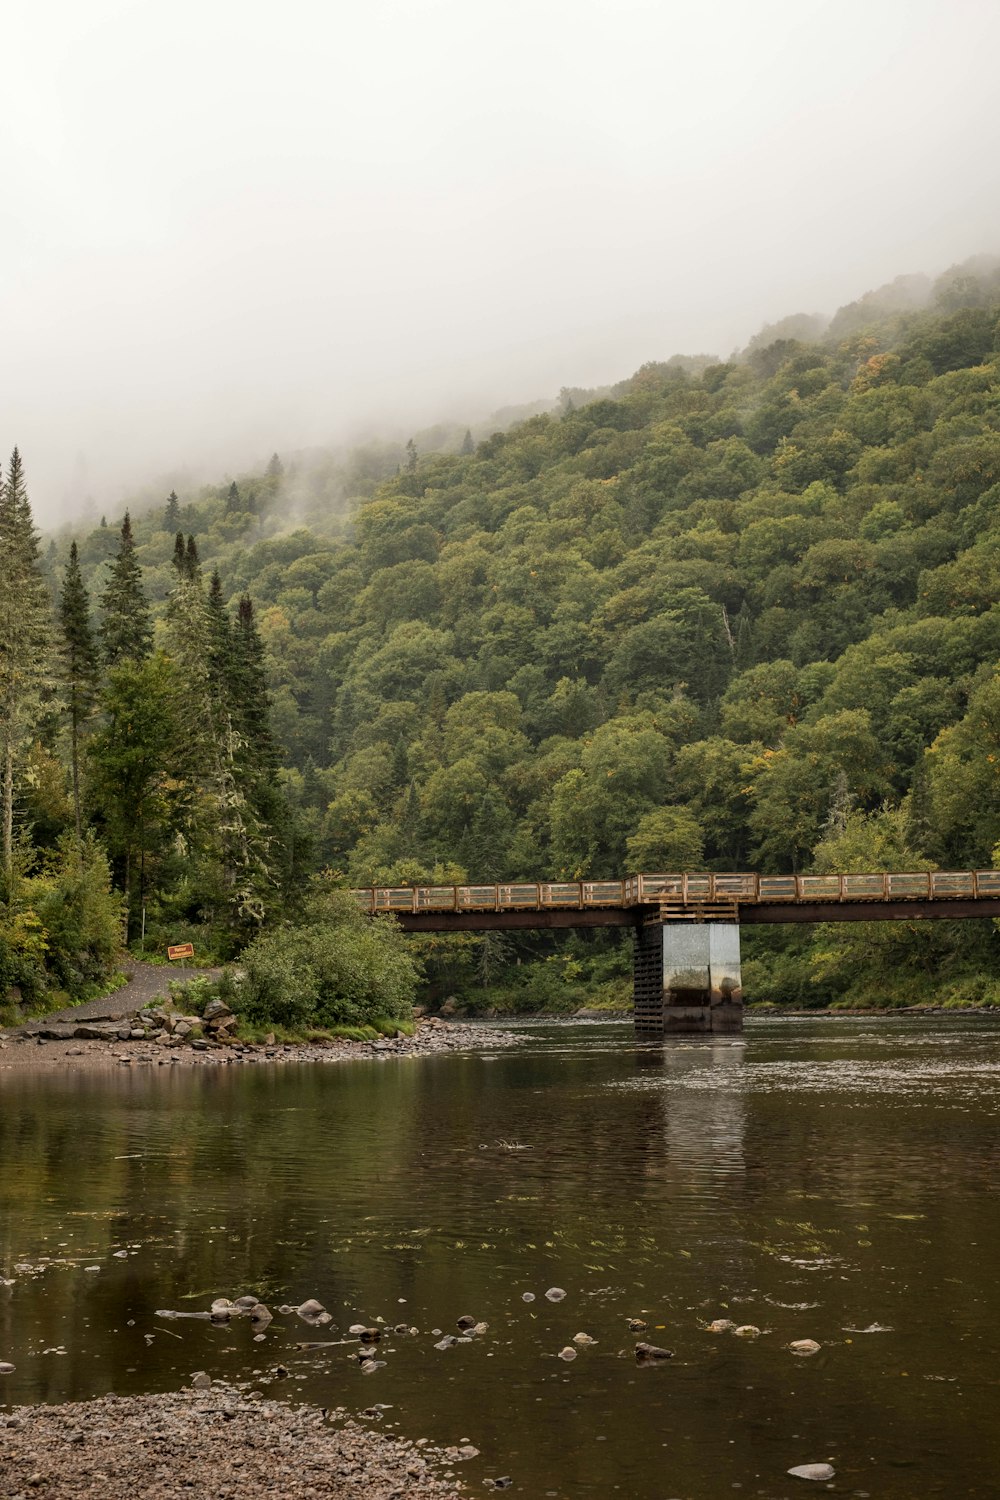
x: 689, y: 889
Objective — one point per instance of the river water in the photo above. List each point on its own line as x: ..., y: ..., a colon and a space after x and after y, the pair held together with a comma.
x: 827, y: 1179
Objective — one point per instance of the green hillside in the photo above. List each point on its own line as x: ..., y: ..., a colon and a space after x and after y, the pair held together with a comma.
x: 739, y: 615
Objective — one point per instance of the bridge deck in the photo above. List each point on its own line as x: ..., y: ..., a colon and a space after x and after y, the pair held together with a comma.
x: 752, y: 898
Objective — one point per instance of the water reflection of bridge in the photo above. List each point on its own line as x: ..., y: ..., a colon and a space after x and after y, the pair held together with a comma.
x: 686, y: 926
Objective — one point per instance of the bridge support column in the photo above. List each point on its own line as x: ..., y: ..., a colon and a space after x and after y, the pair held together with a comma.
x: 687, y: 978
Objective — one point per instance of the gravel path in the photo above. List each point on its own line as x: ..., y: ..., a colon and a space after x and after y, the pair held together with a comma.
x: 218, y: 1442
x: 147, y: 982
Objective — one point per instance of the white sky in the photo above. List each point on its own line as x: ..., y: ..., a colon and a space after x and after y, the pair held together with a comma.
x: 229, y: 227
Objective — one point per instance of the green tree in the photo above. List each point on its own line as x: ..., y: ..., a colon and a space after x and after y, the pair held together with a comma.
x: 25, y: 641
x: 132, y: 759
x: 126, y: 633
x: 80, y: 668
x: 668, y: 839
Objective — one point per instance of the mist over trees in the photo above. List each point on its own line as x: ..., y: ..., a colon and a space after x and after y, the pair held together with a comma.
x: 740, y: 614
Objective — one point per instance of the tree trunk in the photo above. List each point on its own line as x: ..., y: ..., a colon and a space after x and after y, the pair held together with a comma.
x: 75, y: 757
x: 8, y: 813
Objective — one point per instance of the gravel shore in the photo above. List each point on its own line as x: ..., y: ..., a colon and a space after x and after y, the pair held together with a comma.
x: 218, y: 1442
x: 129, y: 1027
x: 27, y: 1049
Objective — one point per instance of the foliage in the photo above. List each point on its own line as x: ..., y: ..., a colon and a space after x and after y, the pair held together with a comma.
x: 336, y: 968
x: 685, y: 620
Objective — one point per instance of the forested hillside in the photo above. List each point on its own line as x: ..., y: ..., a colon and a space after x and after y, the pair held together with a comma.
x: 739, y: 615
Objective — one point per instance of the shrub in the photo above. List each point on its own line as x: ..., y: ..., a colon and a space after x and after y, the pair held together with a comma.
x: 339, y: 968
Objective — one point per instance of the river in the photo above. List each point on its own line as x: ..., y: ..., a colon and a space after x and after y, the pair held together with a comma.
x: 836, y: 1180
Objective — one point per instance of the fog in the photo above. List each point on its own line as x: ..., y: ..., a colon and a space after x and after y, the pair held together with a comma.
x: 228, y: 228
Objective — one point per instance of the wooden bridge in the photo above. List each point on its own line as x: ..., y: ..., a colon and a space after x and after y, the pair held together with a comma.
x: 880, y: 897
x: 687, y: 927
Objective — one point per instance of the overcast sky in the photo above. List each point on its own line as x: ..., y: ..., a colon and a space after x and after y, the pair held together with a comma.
x: 228, y: 227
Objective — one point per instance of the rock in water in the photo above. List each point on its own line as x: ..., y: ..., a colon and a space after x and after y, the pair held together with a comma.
x: 568, y: 1353
x: 6, y: 1368
x: 201, y: 1381
x: 555, y: 1294
x: 652, y: 1351
x: 636, y: 1325
x: 721, y: 1325
x: 311, y: 1309
x: 805, y: 1346
x: 747, y: 1331
x: 820, y: 1472
x: 466, y: 1321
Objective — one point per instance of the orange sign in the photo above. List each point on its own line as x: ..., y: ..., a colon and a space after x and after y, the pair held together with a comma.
x: 181, y: 950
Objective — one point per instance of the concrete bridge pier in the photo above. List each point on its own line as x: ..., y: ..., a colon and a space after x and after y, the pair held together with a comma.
x: 687, y: 978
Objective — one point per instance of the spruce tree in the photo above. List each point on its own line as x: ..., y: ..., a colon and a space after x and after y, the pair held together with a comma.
x: 179, y: 553
x: 251, y: 700
x: 233, y: 499
x: 79, y: 654
x: 172, y: 513
x: 468, y: 446
x: 25, y: 640
x: 220, y: 659
x: 191, y: 559
x: 126, y: 633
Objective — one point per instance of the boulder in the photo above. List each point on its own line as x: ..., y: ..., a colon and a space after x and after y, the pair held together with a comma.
x: 216, y: 1010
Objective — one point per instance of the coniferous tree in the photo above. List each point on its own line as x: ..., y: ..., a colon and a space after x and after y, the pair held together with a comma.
x: 411, y: 455
x: 468, y: 446
x: 191, y: 559
x: 250, y: 692
x: 79, y: 665
x: 233, y: 503
x: 275, y: 467
x: 218, y: 765
x: 219, y: 639
x: 179, y: 553
x: 126, y: 634
x: 25, y: 640
x: 172, y: 513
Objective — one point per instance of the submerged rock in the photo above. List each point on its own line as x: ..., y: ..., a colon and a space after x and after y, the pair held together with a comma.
x: 747, y: 1331
x: 645, y: 1351
x: 805, y: 1346
x: 555, y: 1294
x: 721, y: 1325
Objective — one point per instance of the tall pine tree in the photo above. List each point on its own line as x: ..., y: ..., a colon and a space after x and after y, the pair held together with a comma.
x: 79, y: 657
x: 126, y: 633
x: 25, y: 642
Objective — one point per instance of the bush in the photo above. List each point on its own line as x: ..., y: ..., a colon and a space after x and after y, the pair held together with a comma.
x: 339, y: 968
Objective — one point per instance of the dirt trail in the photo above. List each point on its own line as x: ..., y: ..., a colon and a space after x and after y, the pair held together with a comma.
x: 147, y: 982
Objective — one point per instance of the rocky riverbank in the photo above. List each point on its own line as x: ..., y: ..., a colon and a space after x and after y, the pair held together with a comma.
x: 150, y: 1038
x: 211, y: 1440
